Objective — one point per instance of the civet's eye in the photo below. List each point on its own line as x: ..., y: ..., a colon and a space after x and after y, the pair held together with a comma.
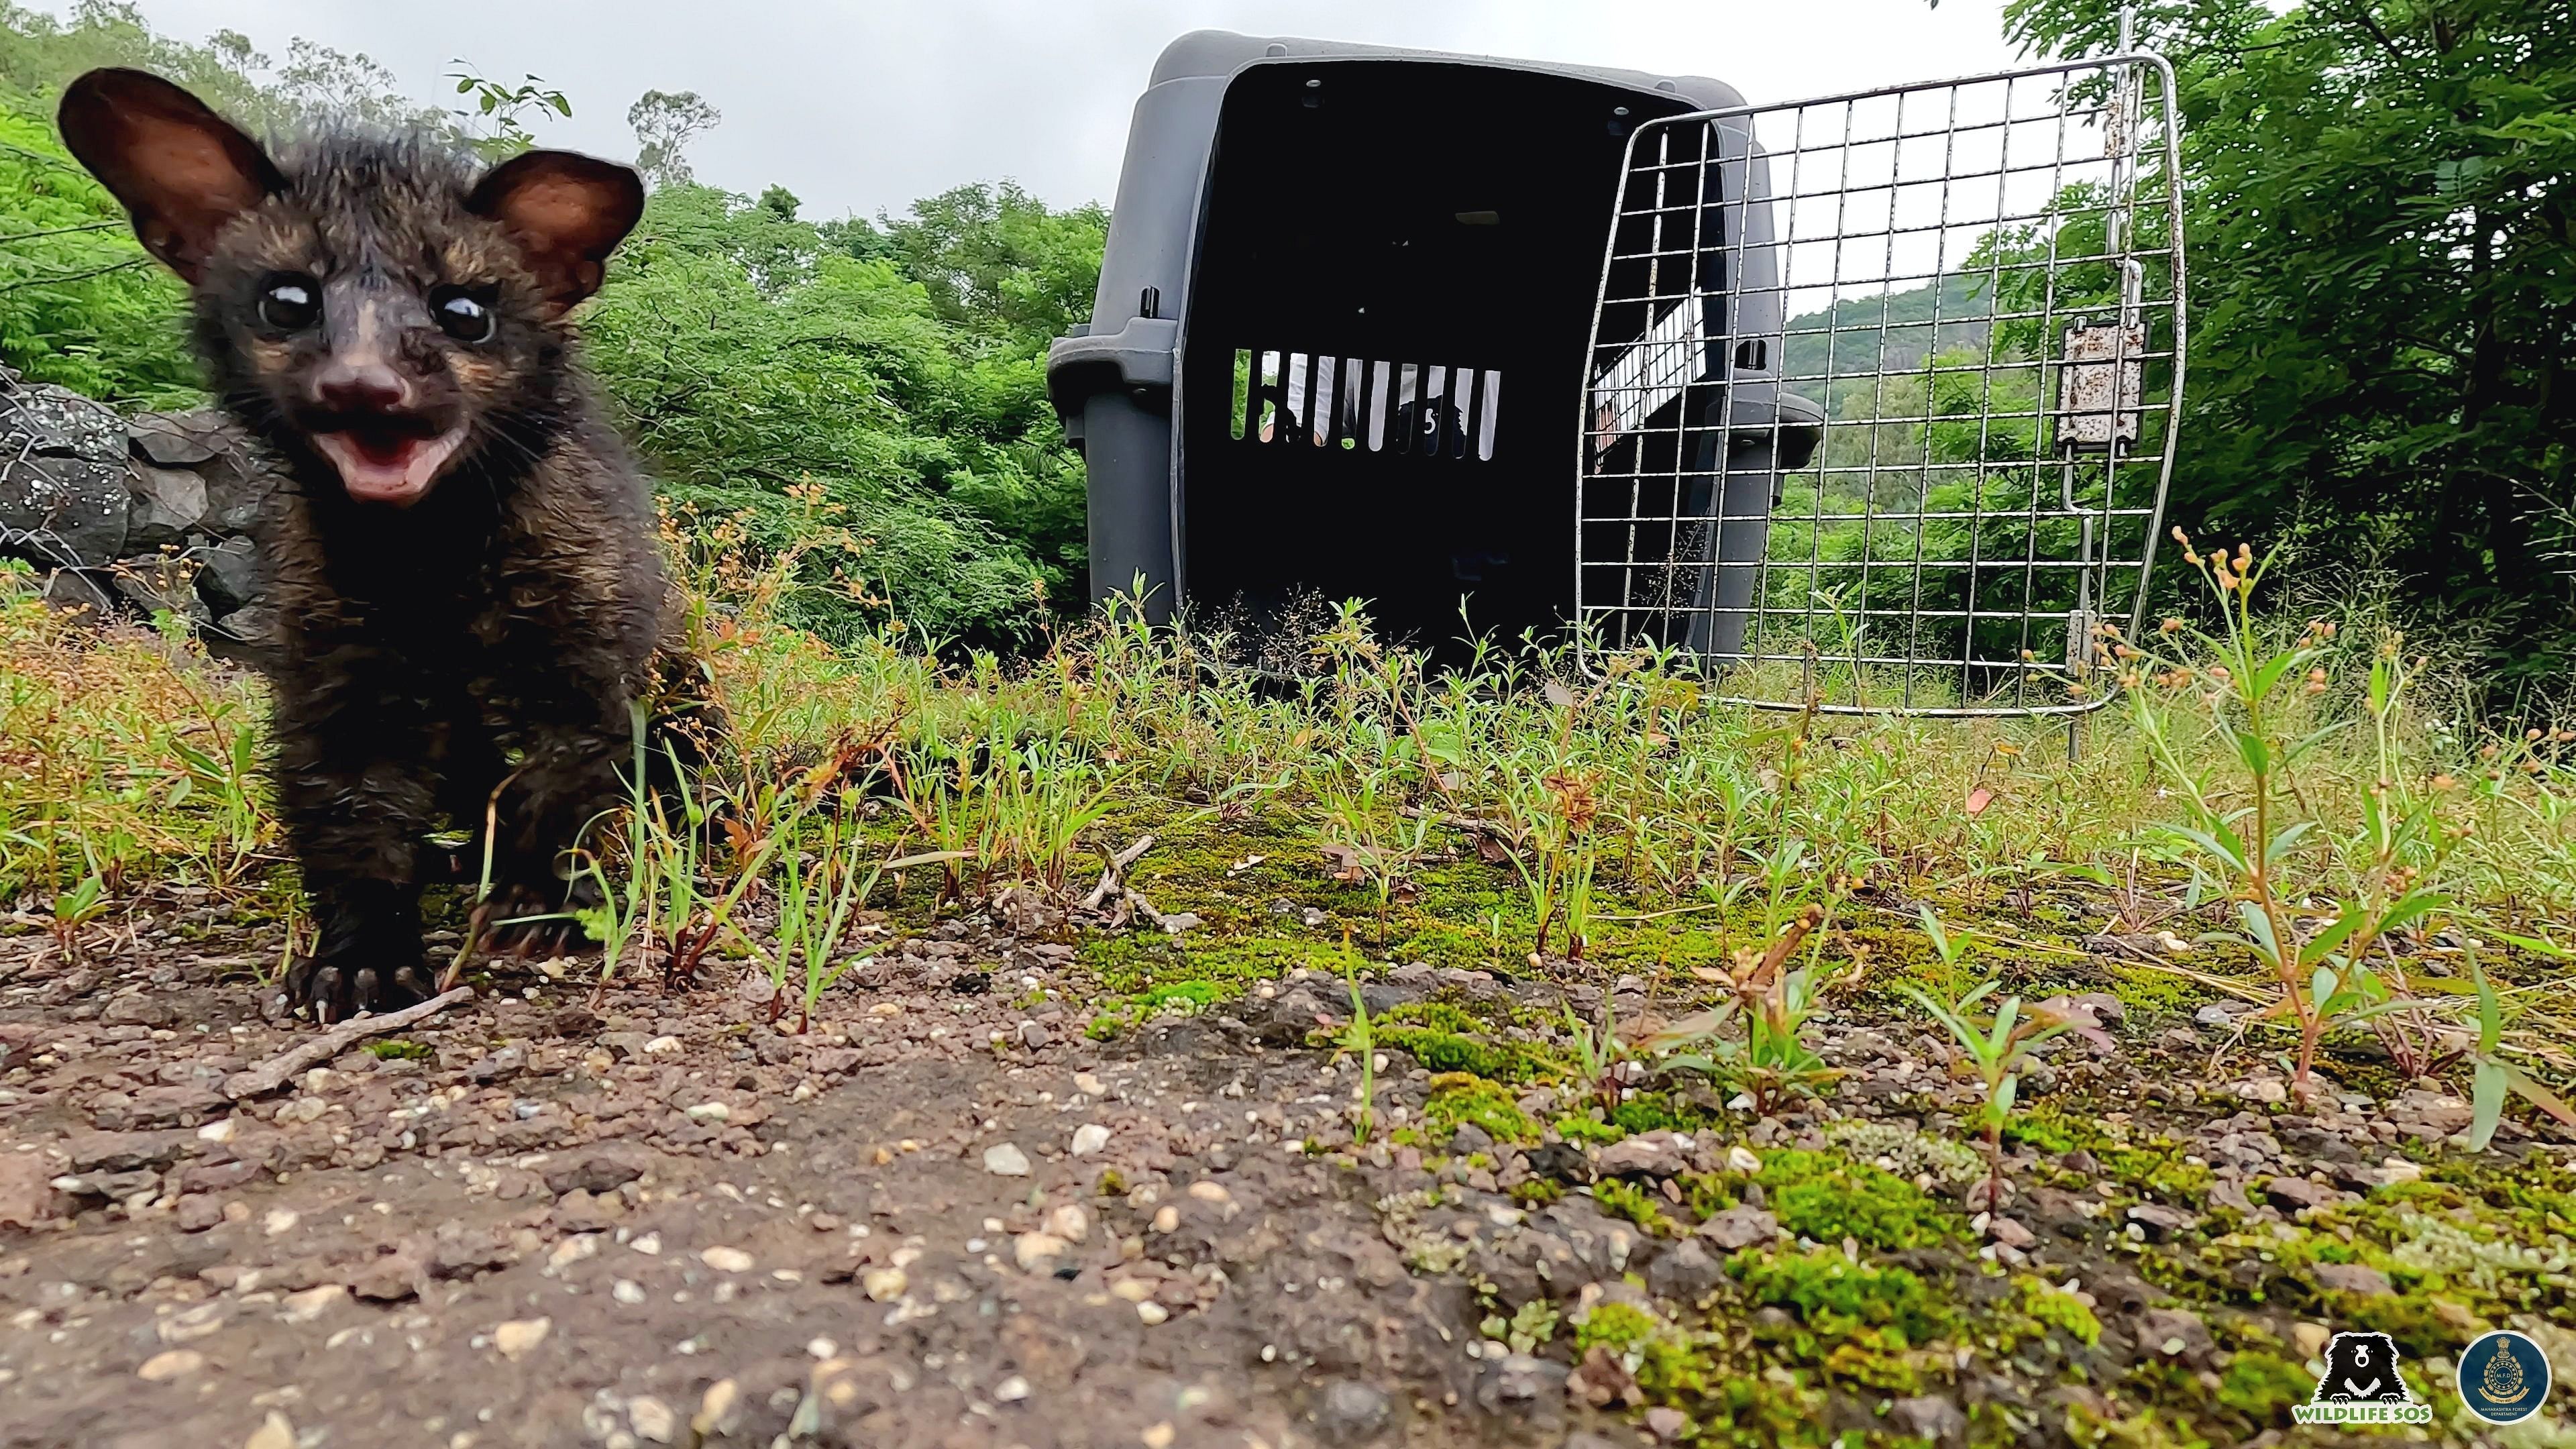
x: 462, y: 316
x: 290, y: 303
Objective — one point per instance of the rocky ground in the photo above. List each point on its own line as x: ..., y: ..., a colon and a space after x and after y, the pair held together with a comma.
x: 948, y: 1214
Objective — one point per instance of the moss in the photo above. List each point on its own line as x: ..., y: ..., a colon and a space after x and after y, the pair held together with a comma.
x: 1660, y: 1113
x: 1574, y: 1127
x: 1618, y: 1327
x: 1448, y: 1051
x: 1821, y: 1196
x: 2045, y: 1306
x: 408, y: 1051
x: 1184, y: 998
x: 1859, y: 1321
x: 2264, y: 1387
x: 1458, y: 1097
x: 2149, y: 992
x: 1626, y: 1200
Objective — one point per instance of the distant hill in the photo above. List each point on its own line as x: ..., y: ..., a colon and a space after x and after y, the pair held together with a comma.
x: 1892, y: 331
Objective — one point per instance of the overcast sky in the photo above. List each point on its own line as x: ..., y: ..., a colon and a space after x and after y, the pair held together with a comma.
x: 865, y: 105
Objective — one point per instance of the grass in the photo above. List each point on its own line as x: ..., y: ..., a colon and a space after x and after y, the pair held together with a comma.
x: 2323, y: 839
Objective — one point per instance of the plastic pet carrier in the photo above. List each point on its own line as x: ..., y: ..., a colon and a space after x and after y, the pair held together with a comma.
x: 1865, y: 402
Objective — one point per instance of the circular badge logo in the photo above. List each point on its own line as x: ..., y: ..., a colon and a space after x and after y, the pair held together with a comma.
x: 2503, y: 1377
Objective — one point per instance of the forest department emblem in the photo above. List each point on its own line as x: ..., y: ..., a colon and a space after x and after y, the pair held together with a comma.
x: 2361, y: 1385
x: 2504, y: 1377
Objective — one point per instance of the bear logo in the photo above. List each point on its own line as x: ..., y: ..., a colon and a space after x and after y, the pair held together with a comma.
x: 2361, y: 1368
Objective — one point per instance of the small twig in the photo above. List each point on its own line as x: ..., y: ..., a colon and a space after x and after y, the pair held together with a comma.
x: 1113, y: 879
x: 272, y: 1074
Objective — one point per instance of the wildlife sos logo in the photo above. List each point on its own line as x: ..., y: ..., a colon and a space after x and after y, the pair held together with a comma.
x: 2504, y: 1377
x: 2362, y: 1386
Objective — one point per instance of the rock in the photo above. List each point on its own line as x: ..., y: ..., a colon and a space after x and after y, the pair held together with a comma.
x: 1003, y: 1159
x: 27, y: 1192
x: 1089, y: 1139
x: 719, y: 1408
x: 603, y: 1168
x: 520, y: 1335
x: 652, y: 1420
x: 174, y: 1363
x: 2176, y: 1333
x: 882, y: 1285
x: 1666, y: 1423
x: 2436, y: 1112
x: 1562, y: 1161
x: 274, y: 1432
x: 198, y: 1212
x: 174, y: 440
x: 137, y: 1009
x: 168, y: 504
x: 2011, y: 1232
x: 1739, y: 1227
x: 1012, y: 1390
x: 312, y: 1303
x: 1071, y: 1222
x: 2162, y: 1222
x: 1644, y: 1156
x: 2352, y: 1278
x: 2293, y: 1193
x: 1743, y: 1159
x: 1034, y: 1036
x: 1470, y: 1138
x: 1519, y: 1381
x: 2216, y: 1015
x: 1350, y: 1411
x: 1929, y: 1416
x: 124, y: 1151
x: 2311, y: 1338
x: 726, y: 1260
x: 1038, y: 1252
x: 1154, y: 1314
x: 499, y: 1066
x: 1685, y: 1273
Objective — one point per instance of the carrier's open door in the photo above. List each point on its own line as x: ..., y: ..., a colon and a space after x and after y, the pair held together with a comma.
x: 1883, y: 390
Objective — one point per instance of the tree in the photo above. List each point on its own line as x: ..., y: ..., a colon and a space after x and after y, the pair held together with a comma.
x: 2383, y: 296
x: 665, y: 122
x: 1001, y: 262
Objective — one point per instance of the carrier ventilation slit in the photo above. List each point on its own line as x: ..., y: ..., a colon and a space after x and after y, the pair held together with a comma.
x: 1320, y: 400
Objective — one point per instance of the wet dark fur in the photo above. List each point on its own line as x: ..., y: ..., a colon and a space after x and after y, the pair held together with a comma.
x: 492, y: 636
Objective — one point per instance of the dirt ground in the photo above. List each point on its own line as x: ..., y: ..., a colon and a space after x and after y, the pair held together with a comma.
x: 947, y: 1216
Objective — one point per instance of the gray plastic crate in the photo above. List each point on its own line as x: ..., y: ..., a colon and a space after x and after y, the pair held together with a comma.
x: 1346, y: 319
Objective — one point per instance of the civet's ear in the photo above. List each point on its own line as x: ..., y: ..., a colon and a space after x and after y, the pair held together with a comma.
x: 566, y: 211
x: 182, y: 171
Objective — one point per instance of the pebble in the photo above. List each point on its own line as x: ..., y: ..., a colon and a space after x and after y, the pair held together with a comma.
x: 824, y: 1223
x: 1206, y: 1191
x: 662, y: 1046
x: 279, y: 1222
x: 820, y: 1348
x: 516, y: 1337
x: 627, y: 1291
x: 176, y: 1363
x: 1037, y: 1252
x: 716, y: 1112
x: 726, y: 1260
x: 1071, y: 1222
x: 1006, y: 1160
x: 1152, y: 1312
x: 273, y: 1433
x: 312, y: 1303
x: 652, y: 1419
x: 883, y: 1285
x: 198, y: 1212
x: 1740, y: 1158
x: 1011, y: 1390
x: 1089, y: 1085
x: 1089, y: 1138
x: 1159, y: 1436
x: 716, y: 1409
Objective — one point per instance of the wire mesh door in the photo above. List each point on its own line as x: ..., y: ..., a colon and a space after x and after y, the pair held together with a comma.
x: 1883, y: 387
